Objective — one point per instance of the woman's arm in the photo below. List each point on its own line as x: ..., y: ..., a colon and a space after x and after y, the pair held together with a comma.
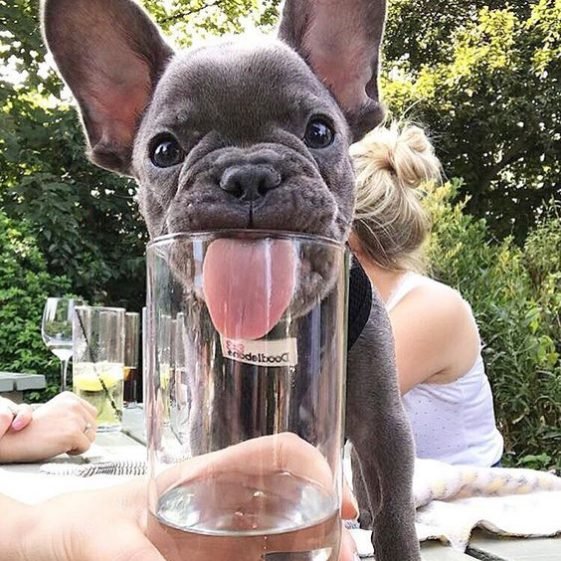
x: 436, y: 338
x: 15, y: 522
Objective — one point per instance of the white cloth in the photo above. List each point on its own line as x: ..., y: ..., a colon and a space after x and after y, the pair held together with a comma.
x: 453, y: 422
x: 453, y: 500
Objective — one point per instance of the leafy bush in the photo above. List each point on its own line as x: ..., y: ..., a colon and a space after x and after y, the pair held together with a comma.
x: 24, y: 286
x: 516, y: 296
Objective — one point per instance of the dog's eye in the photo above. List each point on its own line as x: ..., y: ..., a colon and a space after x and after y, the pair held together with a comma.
x: 318, y: 134
x: 166, y: 152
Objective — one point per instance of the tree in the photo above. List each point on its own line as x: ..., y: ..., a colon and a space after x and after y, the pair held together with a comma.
x: 24, y: 287
x: 492, y: 99
x: 419, y: 31
x: 185, y: 20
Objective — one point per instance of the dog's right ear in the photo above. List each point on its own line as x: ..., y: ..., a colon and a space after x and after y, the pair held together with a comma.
x: 111, y: 55
x: 340, y: 40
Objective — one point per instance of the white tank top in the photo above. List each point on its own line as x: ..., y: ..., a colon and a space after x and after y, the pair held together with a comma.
x: 453, y: 422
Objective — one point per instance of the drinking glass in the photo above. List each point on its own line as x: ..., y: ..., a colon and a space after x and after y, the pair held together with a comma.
x: 56, y: 330
x: 132, y: 375
x: 98, y: 362
x: 144, y: 337
x: 245, y: 363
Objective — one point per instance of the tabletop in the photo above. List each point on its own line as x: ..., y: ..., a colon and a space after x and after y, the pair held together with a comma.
x: 26, y: 483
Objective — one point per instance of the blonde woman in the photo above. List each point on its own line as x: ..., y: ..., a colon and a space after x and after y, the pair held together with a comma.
x: 441, y: 373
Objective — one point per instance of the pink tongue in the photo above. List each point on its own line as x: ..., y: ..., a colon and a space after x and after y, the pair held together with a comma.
x: 248, y: 285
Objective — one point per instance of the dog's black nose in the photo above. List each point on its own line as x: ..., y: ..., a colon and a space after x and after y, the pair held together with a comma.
x: 250, y: 182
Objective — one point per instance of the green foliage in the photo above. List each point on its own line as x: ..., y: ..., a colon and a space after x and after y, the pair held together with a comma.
x: 84, y: 219
x: 184, y: 20
x: 419, y: 31
x: 486, y: 83
x: 24, y: 287
x: 516, y: 296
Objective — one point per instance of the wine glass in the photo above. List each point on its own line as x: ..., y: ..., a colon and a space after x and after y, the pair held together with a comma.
x: 56, y: 330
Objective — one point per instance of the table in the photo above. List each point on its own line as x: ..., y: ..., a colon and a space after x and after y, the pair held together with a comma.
x: 26, y: 483
x: 13, y: 384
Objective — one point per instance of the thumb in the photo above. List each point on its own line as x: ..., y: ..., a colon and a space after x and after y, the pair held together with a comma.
x: 349, y: 508
x: 23, y: 417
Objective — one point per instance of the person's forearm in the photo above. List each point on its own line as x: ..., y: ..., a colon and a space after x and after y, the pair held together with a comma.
x: 15, y: 524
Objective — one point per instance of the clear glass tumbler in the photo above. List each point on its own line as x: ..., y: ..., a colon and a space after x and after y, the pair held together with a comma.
x: 98, y: 335
x: 245, y: 363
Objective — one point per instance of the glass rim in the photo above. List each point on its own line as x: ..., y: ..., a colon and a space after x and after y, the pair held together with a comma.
x: 211, y: 235
x: 101, y: 308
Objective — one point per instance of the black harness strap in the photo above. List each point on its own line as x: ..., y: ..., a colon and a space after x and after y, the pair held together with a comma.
x: 360, y: 302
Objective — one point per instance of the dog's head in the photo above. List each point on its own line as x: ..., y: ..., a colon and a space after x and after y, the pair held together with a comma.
x: 241, y: 134
x: 245, y: 133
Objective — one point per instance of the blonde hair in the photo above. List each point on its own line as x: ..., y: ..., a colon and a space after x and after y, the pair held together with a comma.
x: 391, y: 164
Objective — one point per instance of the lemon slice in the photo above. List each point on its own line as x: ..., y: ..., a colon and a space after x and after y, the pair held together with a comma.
x: 91, y: 383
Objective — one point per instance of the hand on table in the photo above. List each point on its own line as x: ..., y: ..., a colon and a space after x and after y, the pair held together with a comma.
x: 64, y: 424
x: 112, y: 524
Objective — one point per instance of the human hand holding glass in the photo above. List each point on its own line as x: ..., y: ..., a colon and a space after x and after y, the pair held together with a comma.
x: 56, y: 330
x: 55, y: 528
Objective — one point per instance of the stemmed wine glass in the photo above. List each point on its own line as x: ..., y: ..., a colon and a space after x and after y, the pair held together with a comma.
x: 56, y: 330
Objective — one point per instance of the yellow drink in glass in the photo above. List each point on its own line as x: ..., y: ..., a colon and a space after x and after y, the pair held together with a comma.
x: 101, y: 384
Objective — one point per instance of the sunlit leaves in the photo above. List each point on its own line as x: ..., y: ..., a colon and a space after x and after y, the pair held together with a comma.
x: 492, y: 100
x: 186, y: 21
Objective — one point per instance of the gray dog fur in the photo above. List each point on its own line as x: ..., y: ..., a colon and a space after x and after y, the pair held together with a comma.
x: 239, y: 109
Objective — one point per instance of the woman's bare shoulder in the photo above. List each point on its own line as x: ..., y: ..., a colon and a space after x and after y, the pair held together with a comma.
x: 435, y: 330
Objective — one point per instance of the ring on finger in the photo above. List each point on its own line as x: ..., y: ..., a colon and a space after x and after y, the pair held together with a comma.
x: 88, y: 427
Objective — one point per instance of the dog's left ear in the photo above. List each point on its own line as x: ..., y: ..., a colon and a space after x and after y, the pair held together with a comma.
x: 111, y: 56
x: 340, y: 40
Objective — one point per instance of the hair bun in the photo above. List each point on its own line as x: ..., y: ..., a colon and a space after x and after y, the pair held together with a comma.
x: 402, y: 150
x: 390, y: 222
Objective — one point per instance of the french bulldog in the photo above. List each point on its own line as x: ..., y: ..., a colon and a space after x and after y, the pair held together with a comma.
x: 253, y: 133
